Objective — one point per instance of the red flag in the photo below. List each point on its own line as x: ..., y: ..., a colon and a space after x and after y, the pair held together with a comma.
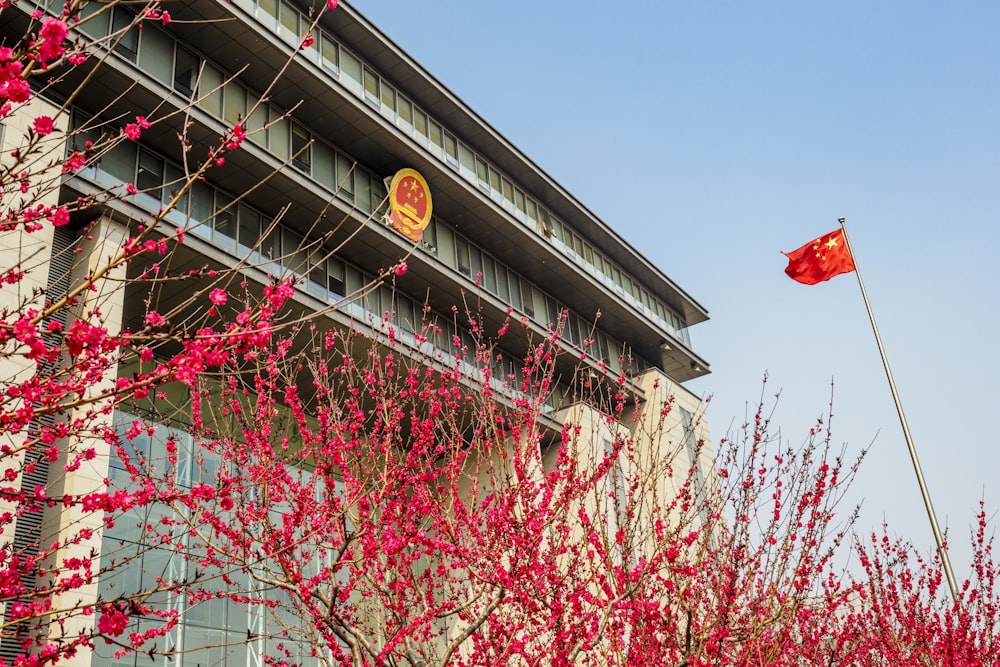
x: 820, y: 259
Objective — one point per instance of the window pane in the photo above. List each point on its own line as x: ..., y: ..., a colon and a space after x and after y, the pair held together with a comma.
x: 350, y: 70
x: 345, y: 177
x: 119, y: 162
x: 277, y: 135
x: 156, y: 54
x: 420, y: 121
x: 289, y: 19
x: 210, y: 90
x: 185, y: 71
x: 388, y: 96
x: 324, y: 167
x: 476, y: 257
x: 467, y: 161
x: 435, y: 134
x: 248, y: 233
x: 450, y: 147
x: 270, y: 242
x: 363, y: 190
x: 526, y: 300
x: 406, y: 314
x: 225, y: 222
x: 355, y: 280
x: 379, y: 194
x: 235, y: 102
x: 502, y: 288
x: 405, y: 109
x: 508, y: 190
x: 482, y: 172
x: 371, y: 85
x: 494, y: 179
x: 173, y: 182
x: 149, y: 178
x: 202, y: 204
x: 128, y: 42
x: 329, y: 53
x: 269, y: 8
x: 489, y: 274
x: 255, y: 123
x: 301, y: 150
x: 515, y: 290
x: 291, y: 249
x: 335, y: 277
x: 95, y: 27
x: 462, y: 254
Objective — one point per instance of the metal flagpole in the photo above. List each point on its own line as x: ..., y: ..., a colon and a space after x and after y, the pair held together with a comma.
x: 942, y: 549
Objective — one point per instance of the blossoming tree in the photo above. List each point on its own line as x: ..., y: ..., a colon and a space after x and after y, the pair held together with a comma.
x: 220, y: 477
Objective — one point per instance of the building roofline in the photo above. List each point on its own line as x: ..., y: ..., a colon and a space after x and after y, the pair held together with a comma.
x: 383, y: 52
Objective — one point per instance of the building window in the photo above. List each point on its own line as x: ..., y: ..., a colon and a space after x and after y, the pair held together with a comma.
x: 186, y: 66
x: 482, y: 173
x: 149, y: 177
x: 405, y: 110
x: 278, y: 134
x: 508, y: 191
x: 451, y: 149
x: 420, y: 121
x: 371, y: 86
x: 494, y: 180
x: 289, y: 19
x: 248, y: 231
x: 125, y: 33
x: 224, y: 222
x: 210, y: 90
x: 267, y: 10
x: 345, y: 178
x: 350, y: 70
x: 466, y: 161
x: 526, y: 299
x: 301, y: 148
x: 388, y: 97
x: 335, y: 278
x: 156, y: 54
x: 234, y: 100
x: 435, y: 134
x: 489, y: 274
x: 462, y: 255
x: 329, y: 54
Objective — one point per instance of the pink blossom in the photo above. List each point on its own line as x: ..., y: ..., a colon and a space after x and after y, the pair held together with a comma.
x: 43, y: 125
x: 132, y: 131
x: 59, y: 217
x: 154, y: 319
x: 331, y: 4
x: 238, y: 135
x: 52, y: 34
x: 218, y: 297
x: 112, y: 621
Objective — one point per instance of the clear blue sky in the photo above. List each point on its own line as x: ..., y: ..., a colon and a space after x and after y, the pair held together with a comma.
x: 712, y: 135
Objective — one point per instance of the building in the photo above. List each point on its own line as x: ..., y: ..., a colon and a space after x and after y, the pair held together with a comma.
x: 344, y: 114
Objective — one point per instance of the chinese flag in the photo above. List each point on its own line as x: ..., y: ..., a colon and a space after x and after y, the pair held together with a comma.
x: 820, y: 259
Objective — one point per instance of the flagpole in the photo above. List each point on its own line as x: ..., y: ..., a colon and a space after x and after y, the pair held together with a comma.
x: 942, y: 548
